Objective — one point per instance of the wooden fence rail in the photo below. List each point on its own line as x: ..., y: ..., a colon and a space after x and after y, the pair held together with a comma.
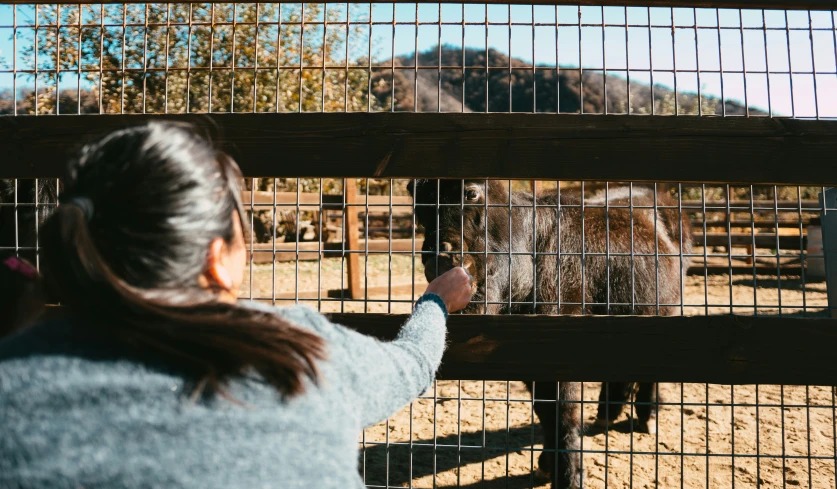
x: 713, y: 349
x: 704, y: 349
x: 732, y: 150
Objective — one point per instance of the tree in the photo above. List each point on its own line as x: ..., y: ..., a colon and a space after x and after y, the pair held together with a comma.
x: 199, y: 58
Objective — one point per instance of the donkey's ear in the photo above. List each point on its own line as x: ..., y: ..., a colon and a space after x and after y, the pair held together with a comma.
x: 413, y: 185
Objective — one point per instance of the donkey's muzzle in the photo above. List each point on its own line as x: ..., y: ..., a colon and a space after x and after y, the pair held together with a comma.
x: 442, y: 262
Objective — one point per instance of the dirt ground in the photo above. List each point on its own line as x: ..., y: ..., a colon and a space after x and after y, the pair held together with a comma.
x: 484, y: 435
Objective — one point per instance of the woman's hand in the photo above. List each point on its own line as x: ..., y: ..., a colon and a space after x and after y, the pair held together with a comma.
x: 454, y: 287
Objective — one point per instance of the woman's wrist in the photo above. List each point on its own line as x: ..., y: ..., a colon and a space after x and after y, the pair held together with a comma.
x: 432, y: 297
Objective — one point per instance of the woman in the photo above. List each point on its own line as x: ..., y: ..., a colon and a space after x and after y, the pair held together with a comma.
x: 160, y: 378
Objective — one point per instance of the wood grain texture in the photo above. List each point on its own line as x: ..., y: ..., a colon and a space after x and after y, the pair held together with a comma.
x: 713, y: 349
x: 520, y: 146
x: 351, y: 229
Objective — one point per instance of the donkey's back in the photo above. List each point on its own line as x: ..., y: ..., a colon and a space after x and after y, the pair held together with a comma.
x: 626, y: 254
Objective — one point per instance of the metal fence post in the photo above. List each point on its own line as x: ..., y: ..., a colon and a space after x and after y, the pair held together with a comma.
x: 828, y: 212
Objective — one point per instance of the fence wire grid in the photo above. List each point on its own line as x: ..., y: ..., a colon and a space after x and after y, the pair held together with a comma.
x: 358, y: 245
x: 751, y: 254
x: 268, y: 57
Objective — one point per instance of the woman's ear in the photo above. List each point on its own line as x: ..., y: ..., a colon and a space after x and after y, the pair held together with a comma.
x: 216, y: 272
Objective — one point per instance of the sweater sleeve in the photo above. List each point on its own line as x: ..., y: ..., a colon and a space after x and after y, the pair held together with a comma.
x: 385, y: 376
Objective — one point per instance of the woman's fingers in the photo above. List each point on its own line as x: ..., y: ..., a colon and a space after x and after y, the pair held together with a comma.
x: 454, y: 287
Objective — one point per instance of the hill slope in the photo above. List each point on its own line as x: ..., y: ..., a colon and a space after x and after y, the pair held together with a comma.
x: 526, y: 88
x: 508, y: 85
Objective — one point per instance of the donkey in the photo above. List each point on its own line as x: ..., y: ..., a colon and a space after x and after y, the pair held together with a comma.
x: 477, y: 216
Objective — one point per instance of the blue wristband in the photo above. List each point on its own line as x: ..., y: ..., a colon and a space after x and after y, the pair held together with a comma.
x: 431, y: 297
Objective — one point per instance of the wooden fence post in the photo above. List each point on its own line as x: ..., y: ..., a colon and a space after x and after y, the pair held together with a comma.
x: 351, y: 231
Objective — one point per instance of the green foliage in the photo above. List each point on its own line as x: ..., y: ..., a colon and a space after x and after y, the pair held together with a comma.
x: 226, y: 61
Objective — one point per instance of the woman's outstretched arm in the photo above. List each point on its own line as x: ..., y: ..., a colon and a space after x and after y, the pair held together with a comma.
x: 381, y: 377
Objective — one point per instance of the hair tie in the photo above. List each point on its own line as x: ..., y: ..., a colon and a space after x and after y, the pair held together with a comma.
x: 15, y: 264
x: 83, y: 203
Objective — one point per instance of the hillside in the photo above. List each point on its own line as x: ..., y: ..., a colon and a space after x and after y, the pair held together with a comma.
x: 526, y: 88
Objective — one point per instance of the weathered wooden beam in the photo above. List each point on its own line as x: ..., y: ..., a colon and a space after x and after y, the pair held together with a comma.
x: 756, y: 4
x: 711, y: 349
x: 765, y: 240
x: 307, y: 200
x: 733, y: 150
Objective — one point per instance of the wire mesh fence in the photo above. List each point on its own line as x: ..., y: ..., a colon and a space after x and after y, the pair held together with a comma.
x: 482, y: 434
x: 744, y: 250
x: 545, y: 247
x: 268, y: 57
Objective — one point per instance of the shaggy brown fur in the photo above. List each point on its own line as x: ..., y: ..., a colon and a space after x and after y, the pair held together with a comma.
x: 622, y: 272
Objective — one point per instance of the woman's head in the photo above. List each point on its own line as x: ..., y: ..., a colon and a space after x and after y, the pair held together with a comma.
x: 163, y: 208
x: 147, y: 244
x: 21, y: 294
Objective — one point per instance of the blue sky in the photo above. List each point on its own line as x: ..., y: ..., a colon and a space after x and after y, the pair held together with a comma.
x: 717, y: 44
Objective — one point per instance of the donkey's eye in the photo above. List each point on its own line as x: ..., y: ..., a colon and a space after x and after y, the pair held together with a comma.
x: 471, y: 194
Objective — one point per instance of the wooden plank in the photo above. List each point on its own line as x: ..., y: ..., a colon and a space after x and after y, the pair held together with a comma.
x: 289, y: 199
x: 383, y: 210
x: 707, y: 349
x: 312, y: 250
x: 308, y: 250
x: 741, y: 223
x: 352, y: 230
x: 746, y: 239
x: 751, y: 4
x: 734, y: 150
x: 383, y: 245
x: 758, y: 205
x: 377, y: 203
x: 714, y: 349
x: 376, y: 294
x: 377, y: 245
x: 790, y: 266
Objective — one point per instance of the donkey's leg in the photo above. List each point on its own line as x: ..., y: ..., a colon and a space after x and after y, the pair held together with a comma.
x: 646, y: 407
x: 546, y: 393
x: 570, y: 475
x: 612, y: 400
x: 561, y: 423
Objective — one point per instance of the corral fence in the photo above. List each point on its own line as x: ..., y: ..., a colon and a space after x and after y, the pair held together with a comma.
x: 723, y: 106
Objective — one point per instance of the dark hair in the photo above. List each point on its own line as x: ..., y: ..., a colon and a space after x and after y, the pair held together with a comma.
x: 21, y: 294
x: 127, y: 246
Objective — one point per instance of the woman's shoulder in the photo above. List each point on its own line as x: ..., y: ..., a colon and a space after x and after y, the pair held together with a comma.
x: 300, y: 315
x: 53, y: 359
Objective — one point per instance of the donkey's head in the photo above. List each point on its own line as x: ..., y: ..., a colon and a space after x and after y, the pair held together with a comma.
x: 453, y: 215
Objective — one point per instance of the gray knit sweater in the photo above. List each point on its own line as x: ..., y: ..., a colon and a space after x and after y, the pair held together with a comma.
x: 74, y: 415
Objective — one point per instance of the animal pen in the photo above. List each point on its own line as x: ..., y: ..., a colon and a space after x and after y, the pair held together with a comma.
x: 614, y: 113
